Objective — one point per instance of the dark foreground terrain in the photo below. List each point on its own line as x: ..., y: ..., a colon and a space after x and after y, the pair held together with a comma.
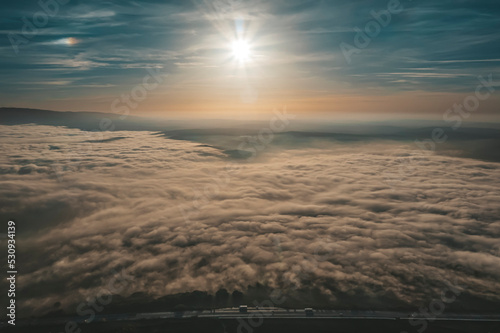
x: 271, y: 325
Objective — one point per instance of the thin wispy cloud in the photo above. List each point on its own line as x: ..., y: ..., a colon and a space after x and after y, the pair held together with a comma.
x: 97, y: 39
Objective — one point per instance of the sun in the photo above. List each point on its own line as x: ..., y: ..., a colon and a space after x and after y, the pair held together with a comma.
x: 241, y: 50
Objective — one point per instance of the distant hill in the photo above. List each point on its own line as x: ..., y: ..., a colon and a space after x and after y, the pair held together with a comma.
x: 88, y: 121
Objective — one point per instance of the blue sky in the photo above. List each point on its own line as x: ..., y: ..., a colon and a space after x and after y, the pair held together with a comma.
x: 91, y: 52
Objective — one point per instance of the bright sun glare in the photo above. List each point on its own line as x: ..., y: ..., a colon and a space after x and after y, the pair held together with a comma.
x: 241, y: 50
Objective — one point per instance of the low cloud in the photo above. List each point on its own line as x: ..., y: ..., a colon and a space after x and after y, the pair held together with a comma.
x: 115, y: 205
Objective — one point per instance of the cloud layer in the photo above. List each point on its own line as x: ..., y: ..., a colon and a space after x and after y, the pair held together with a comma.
x: 180, y: 216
